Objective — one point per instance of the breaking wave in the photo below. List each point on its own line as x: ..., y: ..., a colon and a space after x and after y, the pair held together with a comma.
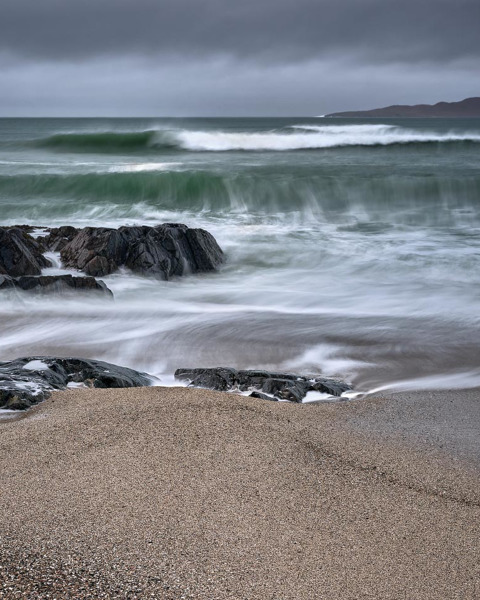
x: 295, y: 137
x: 311, y: 194
x: 107, y: 141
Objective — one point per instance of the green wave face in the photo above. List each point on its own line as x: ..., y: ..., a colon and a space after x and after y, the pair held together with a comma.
x: 103, y: 142
x: 428, y: 200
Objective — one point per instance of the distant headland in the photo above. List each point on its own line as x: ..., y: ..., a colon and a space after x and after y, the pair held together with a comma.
x: 470, y: 107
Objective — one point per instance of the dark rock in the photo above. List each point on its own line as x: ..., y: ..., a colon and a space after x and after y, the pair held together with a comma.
x: 55, y: 284
x: 20, y: 253
x: 221, y: 379
x: 27, y: 381
x: 206, y: 252
x: 286, y: 389
x: 6, y: 282
x: 265, y: 384
x: 263, y: 396
x: 254, y: 378
x: 59, y: 237
x: 26, y: 228
x: 98, y: 251
x: 330, y: 386
x: 158, y: 252
x: 61, y: 284
x: 164, y: 251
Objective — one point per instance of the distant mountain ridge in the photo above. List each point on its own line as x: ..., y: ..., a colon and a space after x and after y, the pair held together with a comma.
x: 470, y: 107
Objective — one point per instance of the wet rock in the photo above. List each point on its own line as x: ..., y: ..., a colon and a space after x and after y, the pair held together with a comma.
x: 330, y: 386
x: 62, y: 285
x: 58, y: 237
x: 98, y: 251
x: 6, y: 282
x: 256, y: 379
x: 27, y: 381
x: 20, y: 253
x: 164, y: 251
x: 263, y: 396
x: 221, y: 379
x: 286, y: 389
x: 265, y: 384
x: 207, y: 254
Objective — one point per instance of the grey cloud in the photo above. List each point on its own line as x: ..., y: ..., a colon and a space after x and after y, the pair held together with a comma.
x: 268, y: 31
x: 219, y: 87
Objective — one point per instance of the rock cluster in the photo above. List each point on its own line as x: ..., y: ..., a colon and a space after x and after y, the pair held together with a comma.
x: 59, y: 237
x: 165, y: 251
x: 57, y: 284
x: 27, y: 381
x: 262, y: 384
x: 20, y: 253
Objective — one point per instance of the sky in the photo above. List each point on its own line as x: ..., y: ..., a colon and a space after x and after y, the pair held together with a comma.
x: 234, y: 57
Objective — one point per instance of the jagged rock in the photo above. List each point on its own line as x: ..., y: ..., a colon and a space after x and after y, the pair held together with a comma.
x: 164, y: 251
x: 330, y: 386
x: 62, y: 284
x: 27, y: 381
x: 263, y: 396
x: 58, y: 237
x: 286, y: 389
x: 98, y: 251
x: 55, y: 284
x: 20, y: 253
x: 7, y: 282
x: 221, y: 379
x: 265, y: 384
x: 207, y: 254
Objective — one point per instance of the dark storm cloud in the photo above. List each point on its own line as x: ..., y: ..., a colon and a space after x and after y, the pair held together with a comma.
x: 266, y: 30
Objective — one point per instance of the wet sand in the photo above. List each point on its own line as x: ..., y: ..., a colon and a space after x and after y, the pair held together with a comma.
x: 180, y: 493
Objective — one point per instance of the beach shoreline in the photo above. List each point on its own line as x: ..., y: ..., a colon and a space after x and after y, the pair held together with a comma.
x: 180, y: 492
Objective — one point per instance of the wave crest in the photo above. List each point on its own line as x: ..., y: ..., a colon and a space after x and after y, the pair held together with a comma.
x: 314, y: 137
x: 107, y: 141
x: 295, y: 137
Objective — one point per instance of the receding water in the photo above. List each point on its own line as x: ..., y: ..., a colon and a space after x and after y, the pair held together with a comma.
x: 353, y: 246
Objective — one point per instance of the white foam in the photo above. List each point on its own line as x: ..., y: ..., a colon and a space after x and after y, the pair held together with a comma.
x: 76, y: 385
x: 36, y: 365
x: 54, y: 258
x: 447, y: 381
x: 144, y: 167
x: 326, y: 355
x: 312, y: 137
x: 318, y: 397
x: 6, y: 413
x: 38, y: 232
x: 27, y: 386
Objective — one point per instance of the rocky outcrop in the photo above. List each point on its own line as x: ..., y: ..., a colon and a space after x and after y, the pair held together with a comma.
x: 20, y: 253
x: 263, y: 384
x: 62, y: 285
x: 27, y: 381
x: 163, y: 252
x: 468, y: 108
x: 58, y: 237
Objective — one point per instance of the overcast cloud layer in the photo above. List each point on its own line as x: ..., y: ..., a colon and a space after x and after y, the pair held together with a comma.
x: 225, y: 57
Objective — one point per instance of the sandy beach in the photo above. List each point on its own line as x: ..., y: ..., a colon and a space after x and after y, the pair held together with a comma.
x: 183, y: 493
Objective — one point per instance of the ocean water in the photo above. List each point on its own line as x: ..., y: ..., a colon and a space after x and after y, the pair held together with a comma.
x: 353, y: 246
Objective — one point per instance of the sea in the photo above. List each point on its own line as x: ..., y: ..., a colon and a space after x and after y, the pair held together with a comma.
x: 352, y: 245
